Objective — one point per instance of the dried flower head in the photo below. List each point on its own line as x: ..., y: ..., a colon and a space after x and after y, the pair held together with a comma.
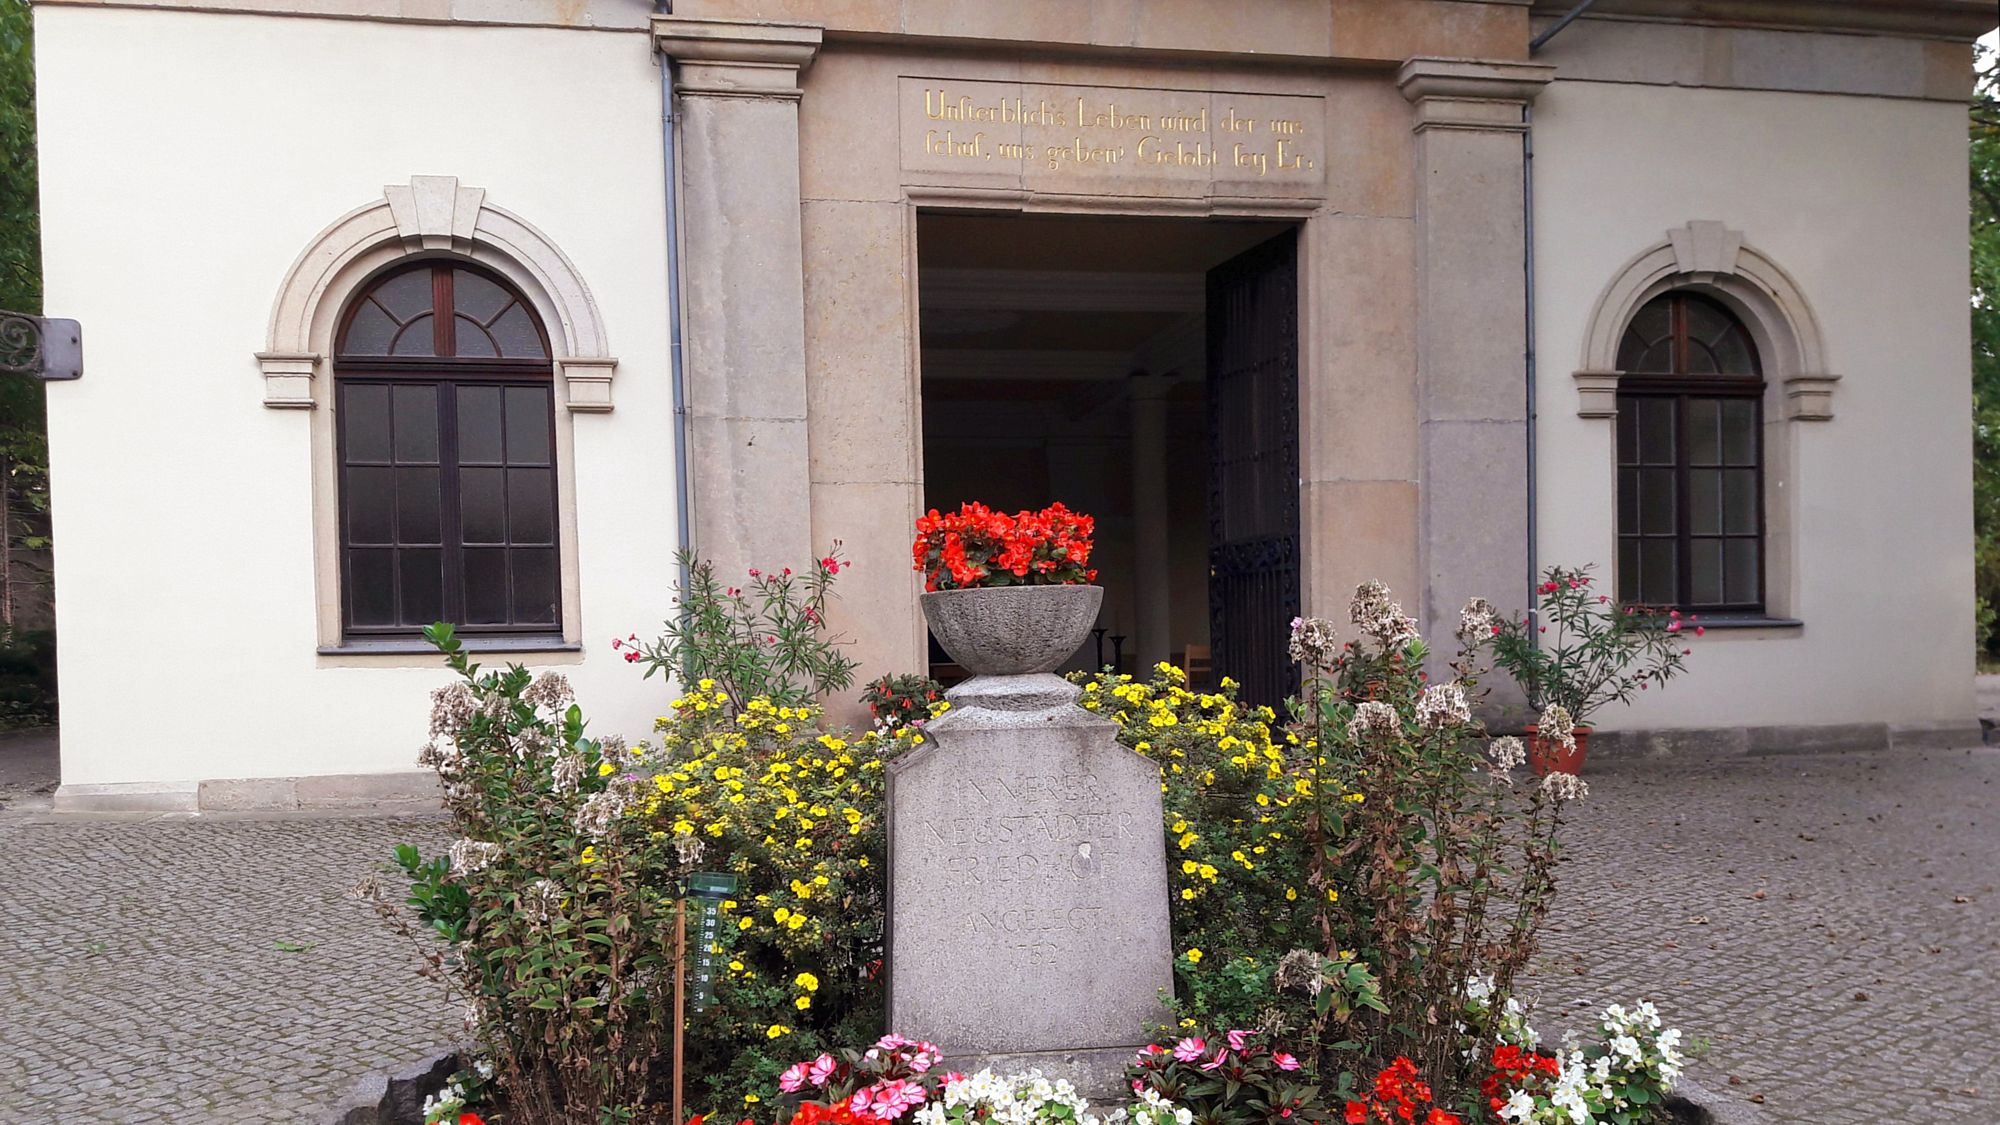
x: 1298, y: 971
x: 549, y: 690
x: 1442, y: 706
x: 566, y: 774
x: 470, y: 856
x: 1313, y: 643
x: 1374, y: 719
x: 1565, y: 786
x: 541, y: 900
x: 1476, y: 623
x: 1373, y: 612
x: 1503, y: 755
x: 602, y: 809
x: 1557, y: 726
x: 452, y: 706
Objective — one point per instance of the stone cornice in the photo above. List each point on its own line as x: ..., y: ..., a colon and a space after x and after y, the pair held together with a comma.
x: 1959, y: 20
x: 1471, y: 93
x: 737, y: 58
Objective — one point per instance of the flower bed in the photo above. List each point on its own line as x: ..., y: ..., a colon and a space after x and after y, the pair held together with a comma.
x: 1357, y: 883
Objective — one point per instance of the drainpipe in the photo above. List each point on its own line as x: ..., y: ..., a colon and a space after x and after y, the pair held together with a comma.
x: 669, y: 139
x: 1528, y: 314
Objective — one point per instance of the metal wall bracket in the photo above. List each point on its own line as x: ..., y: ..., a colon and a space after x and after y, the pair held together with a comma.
x: 44, y: 347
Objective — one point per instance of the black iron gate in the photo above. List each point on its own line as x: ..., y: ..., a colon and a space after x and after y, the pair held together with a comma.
x: 1253, y: 478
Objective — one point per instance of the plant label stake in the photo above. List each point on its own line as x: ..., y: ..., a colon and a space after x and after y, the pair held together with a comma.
x: 708, y: 890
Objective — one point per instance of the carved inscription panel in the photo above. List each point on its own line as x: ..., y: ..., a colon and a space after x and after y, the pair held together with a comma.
x: 1112, y: 140
x: 1029, y: 893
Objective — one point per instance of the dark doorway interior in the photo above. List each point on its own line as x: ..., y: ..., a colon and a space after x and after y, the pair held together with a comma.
x: 1144, y: 371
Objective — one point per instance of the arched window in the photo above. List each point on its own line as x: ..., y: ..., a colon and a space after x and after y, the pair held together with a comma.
x: 1690, y: 458
x: 445, y: 425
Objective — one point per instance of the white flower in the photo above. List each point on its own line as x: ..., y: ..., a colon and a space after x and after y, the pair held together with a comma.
x: 1372, y: 718
x: 1379, y: 617
x: 1441, y: 706
x: 1557, y: 725
x: 1565, y: 786
x: 1475, y: 623
x: 1313, y: 642
x: 1520, y: 1107
x: 469, y: 856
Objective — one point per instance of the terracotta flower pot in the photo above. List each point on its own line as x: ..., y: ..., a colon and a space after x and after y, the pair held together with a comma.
x: 1547, y: 756
x: 1012, y: 630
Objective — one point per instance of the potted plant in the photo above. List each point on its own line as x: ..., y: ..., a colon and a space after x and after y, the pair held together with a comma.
x: 1008, y: 595
x: 1581, y: 652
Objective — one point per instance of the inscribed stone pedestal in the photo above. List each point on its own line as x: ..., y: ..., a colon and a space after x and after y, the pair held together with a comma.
x: 1028, y: 886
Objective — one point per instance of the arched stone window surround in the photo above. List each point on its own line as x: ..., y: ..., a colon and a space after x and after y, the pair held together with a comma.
x: 1709, y: 258
x: 431, y: 216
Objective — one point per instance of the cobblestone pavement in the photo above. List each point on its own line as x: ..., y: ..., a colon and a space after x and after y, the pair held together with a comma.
x: 142, y: 977
x: 1803, y: 913
x: 1830, y: 923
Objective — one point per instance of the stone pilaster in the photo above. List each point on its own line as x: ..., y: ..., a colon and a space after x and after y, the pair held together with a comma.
x: 743, y: 284
x: 1471, y: 333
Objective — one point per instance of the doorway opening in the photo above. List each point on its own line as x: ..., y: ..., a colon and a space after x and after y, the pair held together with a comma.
x: 1143, y: 371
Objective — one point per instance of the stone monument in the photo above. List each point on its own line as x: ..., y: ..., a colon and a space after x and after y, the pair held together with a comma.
x: 1028, y: 922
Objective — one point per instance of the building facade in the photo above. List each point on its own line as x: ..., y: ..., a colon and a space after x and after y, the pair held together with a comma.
x: 400, y: 310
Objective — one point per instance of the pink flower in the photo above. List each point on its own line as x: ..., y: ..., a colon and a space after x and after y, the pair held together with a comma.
x: 820, y: 1071
x: 794, y: 1078
x: 754, y: 574
x: 893, y: 1097
x: 859, y: 1102
x: 1673, y: 626
x: 617, y: 642
x: 1700, y: 629
x: 1149, y: 1052
x: 1221, y: 1056
x: 1238, y: 1040
x: 951, y: 1076
x: 1284, y: 1061
x: 1190, y: 1049
x: 890, y: 1042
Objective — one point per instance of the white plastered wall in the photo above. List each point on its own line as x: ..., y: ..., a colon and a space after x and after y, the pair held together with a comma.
x: 187, y: 160
x: 1862, y: 202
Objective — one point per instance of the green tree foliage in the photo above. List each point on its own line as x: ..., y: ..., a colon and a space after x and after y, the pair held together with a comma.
x: 24, y: 454
x: 1985, y: 184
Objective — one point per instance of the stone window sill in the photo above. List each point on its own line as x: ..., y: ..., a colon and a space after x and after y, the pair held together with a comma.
x: 1747, y: 621
x: 478, y: 643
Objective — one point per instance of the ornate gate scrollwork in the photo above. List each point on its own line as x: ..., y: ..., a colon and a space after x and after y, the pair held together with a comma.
x: 40, y: 346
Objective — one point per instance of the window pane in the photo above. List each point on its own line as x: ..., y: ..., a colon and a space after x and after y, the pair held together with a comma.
x: 416, y: 424
x: 1742, y: 571
x: 1628, y: 571
x: 371, y: 505
x: 416, y: 338
x: 1658, y: 359
x: 482, y: 500
x: 530, y: 506
x: 1704, y: 431
x: 1628, y: 430
x: 473, y: 342
x: 1658, y: 576
x: 1733, y: 354
x: 1707, y: 322
x: 1656, y: 430
x: 371, y: 591
x: 1628, y: 501
x: 417, y: 507
x: 476, y: 297
x: 369, y: 332
x: 534, y: 587
x: 1699, y: 360
x: 528, y: 410
x: 1739, y: 502
x: 1705, y: 502
x: 423, y: 586
x: 515, y: 331
x: 479, y: 425
x: 485, y: 586
x: 406, y: 295
x: 1739, y: 431
x: 1656, y: 501
x: 364, y: 421
x: 1705, y: 571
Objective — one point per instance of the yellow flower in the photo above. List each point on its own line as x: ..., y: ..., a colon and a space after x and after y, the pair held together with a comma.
x: 589, y: 855
x: 752, y: 1099
x: 1355, y: 798
x: 1187, y: 839
x: 776, y: 1030
x: 606, y: 769
x: 1188, y: 866
x: 736, y: 966
x: 780, y: 914
x: 743, y: 924
x: 1193, y: 955
x: 1332, y: 895
x: 797, y: 920
x: 802, y: 1003
x: 808, y: 982
x: 1291, y: 894
x: 1187, y: 892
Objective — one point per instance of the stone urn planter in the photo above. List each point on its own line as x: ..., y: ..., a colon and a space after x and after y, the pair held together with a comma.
x: 1012, y: 630
x: 1547, y: 756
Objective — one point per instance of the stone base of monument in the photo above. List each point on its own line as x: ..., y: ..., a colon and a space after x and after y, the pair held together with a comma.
x: 1028, y: 922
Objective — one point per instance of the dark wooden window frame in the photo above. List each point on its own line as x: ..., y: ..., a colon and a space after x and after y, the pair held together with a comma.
x: 448, y: 374
x: 1679, y: 387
